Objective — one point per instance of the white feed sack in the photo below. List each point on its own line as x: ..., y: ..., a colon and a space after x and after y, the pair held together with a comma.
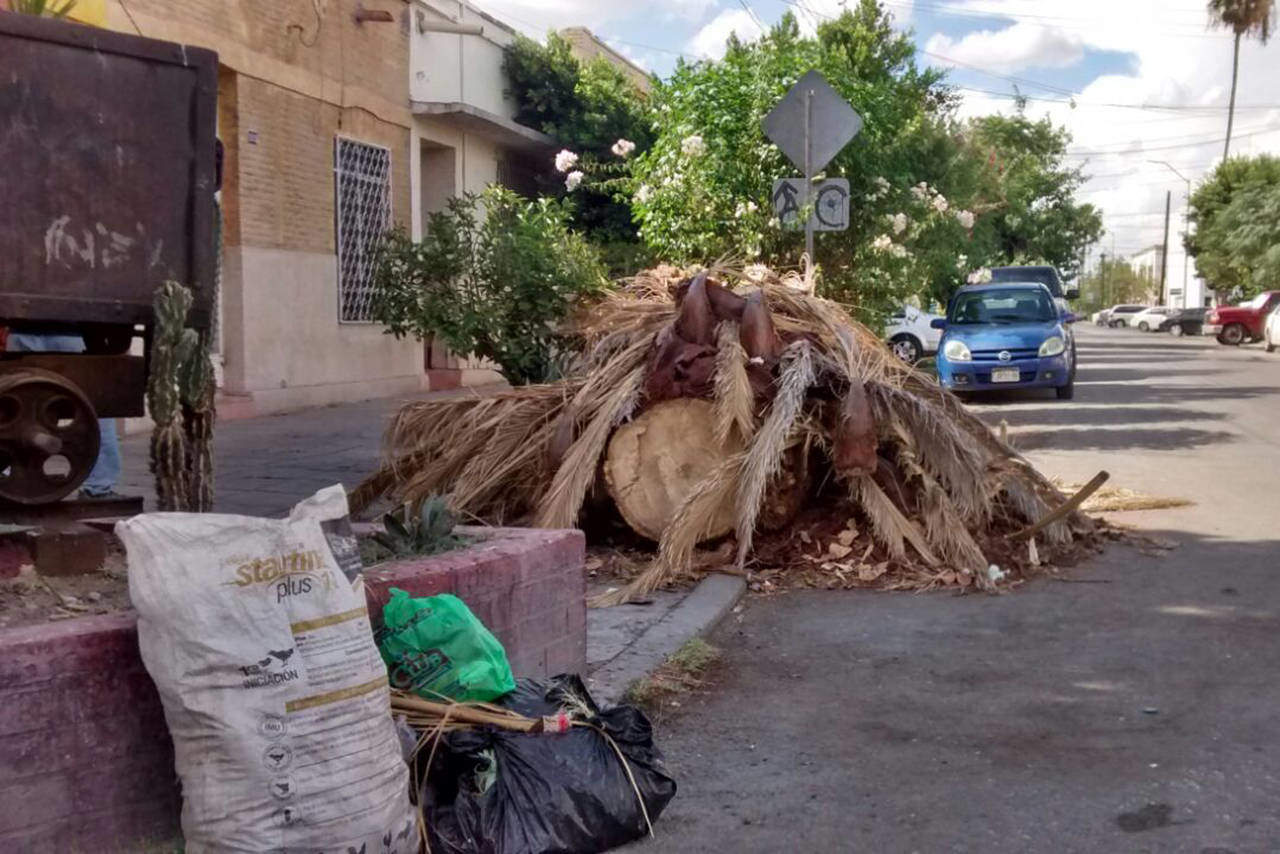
x: 257, y: 636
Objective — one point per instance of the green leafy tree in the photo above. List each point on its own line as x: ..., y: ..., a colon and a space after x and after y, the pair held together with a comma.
x: 1229, y: 212
x: 1112, y: 282
x: 493, y: 277
x: 926, y: 189
x: 587, y: 108
x: 1244, y: 18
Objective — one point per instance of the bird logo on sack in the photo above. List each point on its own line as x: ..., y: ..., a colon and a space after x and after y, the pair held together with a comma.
x: 292, y: 573
x: 272, y: 669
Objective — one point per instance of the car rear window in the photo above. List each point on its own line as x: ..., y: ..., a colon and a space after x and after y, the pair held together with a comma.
x: 1046, y: 276
x: 1006, y: 305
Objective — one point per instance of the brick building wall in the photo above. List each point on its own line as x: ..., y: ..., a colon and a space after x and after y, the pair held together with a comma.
x: 295, y: 75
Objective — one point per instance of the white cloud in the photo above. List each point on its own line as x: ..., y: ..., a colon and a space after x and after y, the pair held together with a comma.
x: 1176, y: 60
x: 1014, y: 48
x: 709, y: 42
x: 810, y: 13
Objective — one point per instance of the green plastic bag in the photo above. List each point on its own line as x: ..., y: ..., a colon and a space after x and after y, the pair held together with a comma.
x: 436, y: 647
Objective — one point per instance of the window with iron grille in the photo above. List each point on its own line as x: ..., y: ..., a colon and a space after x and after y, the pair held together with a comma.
x: 362, y: 185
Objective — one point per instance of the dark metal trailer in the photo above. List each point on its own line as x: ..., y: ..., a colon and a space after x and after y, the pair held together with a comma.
x: 107, y: 180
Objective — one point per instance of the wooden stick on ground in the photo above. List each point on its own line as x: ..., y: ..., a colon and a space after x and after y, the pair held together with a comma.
x: 1064, y: 509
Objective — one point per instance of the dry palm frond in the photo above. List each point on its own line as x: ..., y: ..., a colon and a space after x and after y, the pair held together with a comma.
x: 559, y: 507
x: 764, y: 455
x: 890, y: 526
x: 734, y: 399
x: 943, y: 526
x: 942, y: 449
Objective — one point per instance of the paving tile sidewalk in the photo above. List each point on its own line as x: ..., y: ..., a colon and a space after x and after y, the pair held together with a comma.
x: 264, y: 465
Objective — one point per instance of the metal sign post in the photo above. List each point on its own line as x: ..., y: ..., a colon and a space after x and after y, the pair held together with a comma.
x: 810, y: 125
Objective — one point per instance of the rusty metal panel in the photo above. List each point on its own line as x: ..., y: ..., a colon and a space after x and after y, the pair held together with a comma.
x: 107, y: 142
x: 114, y: 385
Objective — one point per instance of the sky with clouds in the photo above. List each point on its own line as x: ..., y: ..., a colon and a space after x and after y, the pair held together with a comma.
x: 1135, y: 81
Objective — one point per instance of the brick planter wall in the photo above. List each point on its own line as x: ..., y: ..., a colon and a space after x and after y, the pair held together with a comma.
x: 86, y: 763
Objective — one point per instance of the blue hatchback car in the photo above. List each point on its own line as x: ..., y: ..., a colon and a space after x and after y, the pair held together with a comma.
x: 1007, y: 335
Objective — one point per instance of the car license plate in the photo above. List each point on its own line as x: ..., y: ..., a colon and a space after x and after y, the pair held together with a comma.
x: 1005, y: 375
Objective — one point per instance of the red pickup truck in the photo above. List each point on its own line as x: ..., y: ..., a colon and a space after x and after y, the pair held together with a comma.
x: 1236, y: 324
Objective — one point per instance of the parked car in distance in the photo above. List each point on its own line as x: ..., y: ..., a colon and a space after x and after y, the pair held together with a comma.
x: 1236, y: 324
x: 1185, y: 321
x: 1044, y: 274
x: 1119, y: 315
x: 1099, y: 317
x: 1001, y: 336
x: 1150, y: 319
x: 911, y: 335
x: 1271, y: 330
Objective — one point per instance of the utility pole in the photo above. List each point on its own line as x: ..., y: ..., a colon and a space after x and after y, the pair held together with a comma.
x: 1164, y: 252
x: 1102, y: 279
x: 1186, y: 226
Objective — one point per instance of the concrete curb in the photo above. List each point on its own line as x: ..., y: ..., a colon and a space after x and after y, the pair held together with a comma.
x: 697, y: 614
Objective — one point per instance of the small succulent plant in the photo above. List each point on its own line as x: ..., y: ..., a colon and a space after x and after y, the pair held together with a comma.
x: 428, y: 532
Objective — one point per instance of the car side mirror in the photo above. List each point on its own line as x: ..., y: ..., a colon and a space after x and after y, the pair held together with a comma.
x: 938, y: 323
x: 1070, y: 317
x: 1071, y: 292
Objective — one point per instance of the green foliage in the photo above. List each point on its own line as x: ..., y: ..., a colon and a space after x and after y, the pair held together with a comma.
x: 586, y: 107
x: 1111, y: 283
x: 43, y: 8
x: 1234, y: 214
x: 703, y: 189
x: 1244, y: 17
x: 429, y: 532
x: 492, y: 277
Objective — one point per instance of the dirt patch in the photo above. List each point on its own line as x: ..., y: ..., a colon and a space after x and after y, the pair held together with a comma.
x: 29, y: 599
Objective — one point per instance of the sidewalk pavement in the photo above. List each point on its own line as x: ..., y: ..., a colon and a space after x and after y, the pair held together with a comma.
x: 265, y: 465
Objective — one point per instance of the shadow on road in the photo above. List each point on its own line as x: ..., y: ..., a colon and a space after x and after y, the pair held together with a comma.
x: 1084, y: 416
x: 1156, y: 439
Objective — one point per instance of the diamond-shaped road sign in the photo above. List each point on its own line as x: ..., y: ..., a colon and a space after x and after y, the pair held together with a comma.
x: 830, y: 203
x: 832, y: 122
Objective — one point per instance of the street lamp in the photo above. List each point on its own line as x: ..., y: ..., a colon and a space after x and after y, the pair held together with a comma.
x: 1186, y: 226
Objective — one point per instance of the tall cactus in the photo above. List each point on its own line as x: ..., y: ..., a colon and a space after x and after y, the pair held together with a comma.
x: 180, y: 395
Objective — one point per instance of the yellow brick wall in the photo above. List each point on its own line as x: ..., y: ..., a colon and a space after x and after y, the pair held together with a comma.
x: 285, y: 179
x: 304, y: 72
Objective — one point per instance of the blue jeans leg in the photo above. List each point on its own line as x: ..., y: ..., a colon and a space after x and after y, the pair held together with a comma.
x: 106, y: 470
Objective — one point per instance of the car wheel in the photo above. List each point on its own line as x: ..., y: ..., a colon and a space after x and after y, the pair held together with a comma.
x: 1271, y: 348
x: 1176, y: 330
x: 1144, y: 327
x: 1233, y: 335
x: 906, y: 348
x: 1066, y: 392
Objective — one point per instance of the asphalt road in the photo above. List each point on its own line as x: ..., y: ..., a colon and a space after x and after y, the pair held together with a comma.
x: 1136, y: 709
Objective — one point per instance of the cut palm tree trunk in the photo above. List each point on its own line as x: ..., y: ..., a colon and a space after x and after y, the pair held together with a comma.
x: 656, y: 461
x: 705, y: 410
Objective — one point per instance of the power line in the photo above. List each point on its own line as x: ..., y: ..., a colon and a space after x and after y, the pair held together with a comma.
x: 1145, y: 149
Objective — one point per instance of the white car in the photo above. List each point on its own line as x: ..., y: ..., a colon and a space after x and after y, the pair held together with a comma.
x: 1120, y: 315
x: 910, y: 334
x: 1271, y: 330
x: 1151, y: 319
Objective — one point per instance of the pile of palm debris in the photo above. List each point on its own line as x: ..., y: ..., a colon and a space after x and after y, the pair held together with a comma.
x: 724, y: 405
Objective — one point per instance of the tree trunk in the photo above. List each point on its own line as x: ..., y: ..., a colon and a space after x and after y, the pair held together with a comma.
x: 1231, y: 108
x: 653, y: 462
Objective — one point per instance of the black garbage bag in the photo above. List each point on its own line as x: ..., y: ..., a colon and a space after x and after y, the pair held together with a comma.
x: 501, y: 792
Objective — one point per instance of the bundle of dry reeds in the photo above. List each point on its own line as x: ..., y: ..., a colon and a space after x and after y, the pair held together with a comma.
x: 792, y: 374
